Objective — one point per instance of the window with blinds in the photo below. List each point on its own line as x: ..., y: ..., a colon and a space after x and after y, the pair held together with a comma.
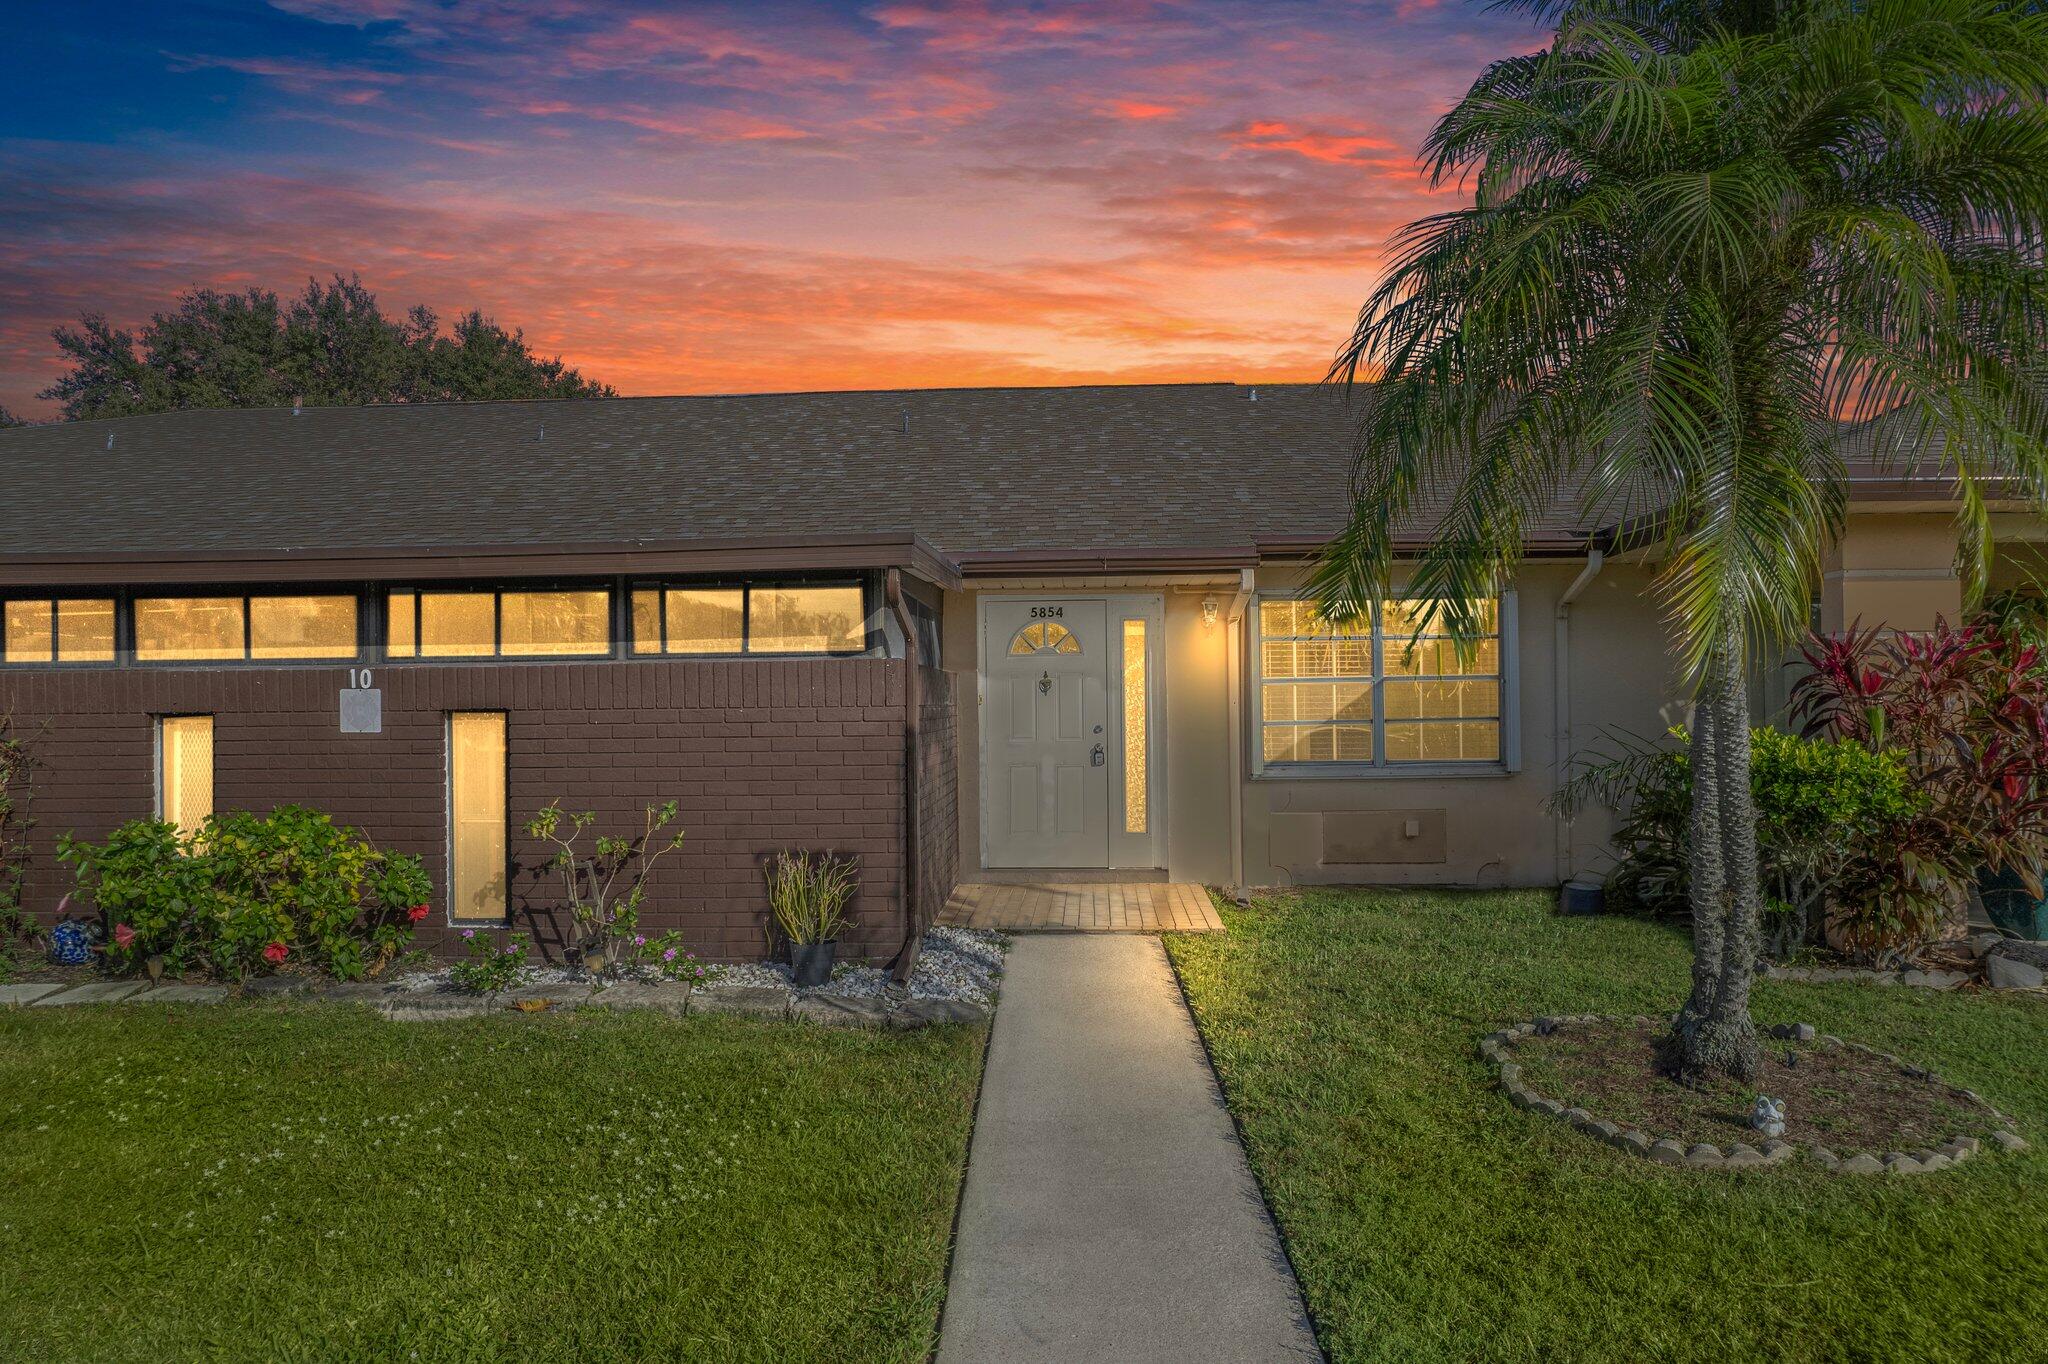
x: 1376, y: 692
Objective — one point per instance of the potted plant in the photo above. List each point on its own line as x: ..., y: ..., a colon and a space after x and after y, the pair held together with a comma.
x: 807, y: 898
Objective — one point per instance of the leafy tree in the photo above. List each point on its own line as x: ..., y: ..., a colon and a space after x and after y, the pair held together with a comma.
x: 1703, y: 235
x: 9, y: 419
x: 330, y: 346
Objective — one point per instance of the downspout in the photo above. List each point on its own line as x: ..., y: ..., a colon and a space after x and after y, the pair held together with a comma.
x: 1233, y: 661
x: 1561, y: 695
x: 913, y: 932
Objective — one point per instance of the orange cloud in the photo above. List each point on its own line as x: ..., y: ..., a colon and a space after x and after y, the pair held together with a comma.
x: 1138, y: 109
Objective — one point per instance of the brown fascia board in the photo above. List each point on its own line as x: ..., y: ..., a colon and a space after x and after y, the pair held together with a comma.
x: 1000, y: 563
x: 779, y: 554
x: 1535, y: 547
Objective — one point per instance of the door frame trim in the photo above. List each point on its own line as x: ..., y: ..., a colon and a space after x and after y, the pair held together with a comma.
x: 1120, y: 606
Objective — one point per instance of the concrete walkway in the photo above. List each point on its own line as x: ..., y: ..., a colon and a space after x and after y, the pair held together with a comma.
x: 1109, y: 1214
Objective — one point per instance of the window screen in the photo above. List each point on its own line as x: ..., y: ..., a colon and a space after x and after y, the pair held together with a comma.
x: 185, y: 770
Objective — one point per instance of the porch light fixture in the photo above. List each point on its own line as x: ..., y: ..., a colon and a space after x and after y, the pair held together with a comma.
x: 1208, y: 613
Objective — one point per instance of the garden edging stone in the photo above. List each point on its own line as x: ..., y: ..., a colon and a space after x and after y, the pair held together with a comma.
x: 92, y: 992
x: 1495, y: 1050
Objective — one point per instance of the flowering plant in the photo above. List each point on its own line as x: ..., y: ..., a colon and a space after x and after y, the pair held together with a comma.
x: 244, y: 888
x: 490, y: 967
x: 604, y: 883
x: 668, y: 959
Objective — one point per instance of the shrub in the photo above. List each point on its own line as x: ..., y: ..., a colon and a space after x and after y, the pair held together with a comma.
x: 1830, y: 815
x: 807, y: 895
x: 604, y: 884
x: 489, y: 967
x: 1966, y: 711
x: 245, y: 894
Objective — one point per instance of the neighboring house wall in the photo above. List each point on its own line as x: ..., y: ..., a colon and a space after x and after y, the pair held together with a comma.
x: 1894, y: 569
x: 760, y: 754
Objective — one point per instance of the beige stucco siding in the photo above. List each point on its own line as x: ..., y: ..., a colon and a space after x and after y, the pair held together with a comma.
x: 1488, y: 828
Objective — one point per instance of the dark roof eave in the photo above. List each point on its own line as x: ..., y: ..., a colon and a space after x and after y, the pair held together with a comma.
x: 997, y: 563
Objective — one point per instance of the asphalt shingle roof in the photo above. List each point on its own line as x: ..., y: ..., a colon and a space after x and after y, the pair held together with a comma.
x: 969, y: 469
x: 1106, y: 467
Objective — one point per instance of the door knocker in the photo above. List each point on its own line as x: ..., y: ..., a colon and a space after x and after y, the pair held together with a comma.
x: 1045, y: 684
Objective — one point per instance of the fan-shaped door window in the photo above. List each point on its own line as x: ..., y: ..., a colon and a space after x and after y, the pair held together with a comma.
x: 1044, y: 637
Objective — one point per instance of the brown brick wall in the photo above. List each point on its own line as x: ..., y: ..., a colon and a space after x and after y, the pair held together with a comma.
x: 761, y: 754
x: 938, y: 792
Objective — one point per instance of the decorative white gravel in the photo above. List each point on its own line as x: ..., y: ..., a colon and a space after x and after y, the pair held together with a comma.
x: 956, y: 963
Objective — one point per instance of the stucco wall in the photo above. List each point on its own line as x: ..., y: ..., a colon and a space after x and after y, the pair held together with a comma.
x: 1484, y: 829
x: 1488, y: 828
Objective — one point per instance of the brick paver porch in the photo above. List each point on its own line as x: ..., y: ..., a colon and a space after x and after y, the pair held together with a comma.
x: 1084, y: 907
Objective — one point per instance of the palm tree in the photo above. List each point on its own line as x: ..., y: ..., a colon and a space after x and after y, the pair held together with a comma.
x: 1704, y: 236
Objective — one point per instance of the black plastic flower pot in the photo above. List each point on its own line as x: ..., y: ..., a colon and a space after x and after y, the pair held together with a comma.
x: 2010, y: 904
x: 811, y: 962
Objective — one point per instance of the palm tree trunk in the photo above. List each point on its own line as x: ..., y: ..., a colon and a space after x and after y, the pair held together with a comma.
x: 1713, y: 1033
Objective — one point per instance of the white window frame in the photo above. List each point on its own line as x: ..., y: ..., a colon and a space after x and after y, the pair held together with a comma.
x: 1379, y: 768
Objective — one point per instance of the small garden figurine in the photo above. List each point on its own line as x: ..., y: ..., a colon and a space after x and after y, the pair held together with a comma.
x: 1768, y: 1116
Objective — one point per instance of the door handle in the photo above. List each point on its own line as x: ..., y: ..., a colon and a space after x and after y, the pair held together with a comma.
x: 1095, y: 758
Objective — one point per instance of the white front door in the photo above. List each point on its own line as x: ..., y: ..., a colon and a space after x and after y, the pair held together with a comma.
x: 1047, y: 674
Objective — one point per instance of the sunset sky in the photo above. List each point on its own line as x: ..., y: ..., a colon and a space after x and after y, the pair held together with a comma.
x: 689, y: 198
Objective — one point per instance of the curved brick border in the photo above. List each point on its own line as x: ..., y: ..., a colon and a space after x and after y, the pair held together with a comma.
x: 1496, y: 1049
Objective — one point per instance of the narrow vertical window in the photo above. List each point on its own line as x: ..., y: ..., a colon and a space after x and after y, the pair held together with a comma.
x: 401, y: 620
x: 1136, y: 774
x: 476, y: 815
x: 184, y: 794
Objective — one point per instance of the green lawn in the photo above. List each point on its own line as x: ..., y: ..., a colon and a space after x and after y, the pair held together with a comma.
x: 307, y: 1183
x: 1429, y: 1220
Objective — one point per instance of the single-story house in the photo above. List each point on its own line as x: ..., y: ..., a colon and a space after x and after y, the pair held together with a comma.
x: 967, y: 635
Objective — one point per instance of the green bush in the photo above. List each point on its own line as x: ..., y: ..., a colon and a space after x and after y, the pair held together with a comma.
x: 246, y: 893
x: 1830, y: 819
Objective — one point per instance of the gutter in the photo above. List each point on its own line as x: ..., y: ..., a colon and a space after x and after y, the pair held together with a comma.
x: 1233, y: 661
x: 905, y: 960
x: 1561, y: 700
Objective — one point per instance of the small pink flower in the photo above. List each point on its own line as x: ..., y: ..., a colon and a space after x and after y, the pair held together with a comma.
x: 639, y: 940
x: 418, y: 912
x: 468, y: 933
x: 276, y: 953
x: 124, y: 935
x: 669, y: 955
